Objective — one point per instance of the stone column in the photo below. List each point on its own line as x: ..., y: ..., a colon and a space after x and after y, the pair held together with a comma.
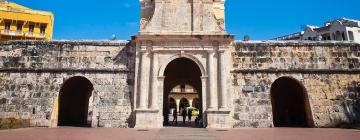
x: 212, y: 69
x: 177, y: 105
x: 204, y: 92
x: 190, y: 102
x: 160, y: 89
x: 153, y: 83
x: 222, y: 82
x: 144, y: 80
x: 347, y: 37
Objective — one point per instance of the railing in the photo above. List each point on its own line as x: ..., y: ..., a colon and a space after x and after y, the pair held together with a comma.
x: 20, y: 33
x: 11, y: 33
x: 182, y: 91
x: 36, y: 35
x: 290, y: 36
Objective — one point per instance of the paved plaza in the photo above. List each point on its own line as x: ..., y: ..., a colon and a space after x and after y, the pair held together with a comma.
x: 72, y: 133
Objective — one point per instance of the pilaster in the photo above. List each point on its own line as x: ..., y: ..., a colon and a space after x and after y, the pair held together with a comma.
x: 212, y: 73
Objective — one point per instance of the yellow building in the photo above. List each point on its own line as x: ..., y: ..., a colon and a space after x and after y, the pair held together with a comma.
x: 21, y: 23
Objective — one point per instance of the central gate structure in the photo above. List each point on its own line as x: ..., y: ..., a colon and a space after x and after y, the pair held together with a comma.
x: 176, y: 29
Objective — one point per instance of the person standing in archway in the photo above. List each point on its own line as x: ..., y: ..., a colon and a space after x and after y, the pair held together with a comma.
x: 189, y: 114
x: 183, y: 113
x: 175, y: 115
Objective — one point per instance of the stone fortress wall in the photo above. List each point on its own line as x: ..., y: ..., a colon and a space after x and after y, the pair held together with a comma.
x: 32, y: 74
x: 328, y: 71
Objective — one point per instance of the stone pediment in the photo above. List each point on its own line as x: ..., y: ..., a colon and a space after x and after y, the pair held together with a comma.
x: 182, y: 17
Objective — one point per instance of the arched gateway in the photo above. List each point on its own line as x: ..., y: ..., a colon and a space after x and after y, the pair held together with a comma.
x: 290, y: 104
x: 181, y: 71
x: 74, y: 102
x: 182, y: 42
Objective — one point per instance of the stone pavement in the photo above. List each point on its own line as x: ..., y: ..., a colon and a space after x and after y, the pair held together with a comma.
x: 178, y: 133
x: 287, y: 134
x: 185, y: 134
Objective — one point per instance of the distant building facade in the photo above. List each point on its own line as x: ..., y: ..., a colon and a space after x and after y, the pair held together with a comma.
x: 183, y: 94
x: 21, y: 23
x: 342, y: 29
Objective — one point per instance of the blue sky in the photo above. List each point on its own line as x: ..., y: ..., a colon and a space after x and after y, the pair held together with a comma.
x: 260, y: 19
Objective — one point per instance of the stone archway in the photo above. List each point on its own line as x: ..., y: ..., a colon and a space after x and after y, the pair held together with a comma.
x: 184, y: 103
x: 172, y: 103
x: 338, y: 36
x: 74, y: 102
x: 290, y: 105
x: 162, y: 68
x: 180, y: 71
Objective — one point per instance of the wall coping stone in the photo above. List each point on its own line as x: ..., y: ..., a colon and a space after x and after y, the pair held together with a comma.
x: 236, y: 42
x: 61, y: 70
x: 306, y: 71
x: 68, y: 42
x: 294, y: 43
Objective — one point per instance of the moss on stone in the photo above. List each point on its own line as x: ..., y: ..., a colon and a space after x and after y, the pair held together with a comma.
x: 12, y: 123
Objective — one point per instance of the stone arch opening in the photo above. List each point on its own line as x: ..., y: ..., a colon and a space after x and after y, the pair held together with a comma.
x: 172, y: 104
x: 351, y: 36
x: 290, y: 105
x: 184, y: 103
x: 196, y: 103
x: 74, y: 102
x: 338, y: 36
x: 161, y: 71
x: 181, y: 71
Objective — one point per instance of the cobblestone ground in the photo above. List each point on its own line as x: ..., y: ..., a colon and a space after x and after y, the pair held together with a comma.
x: 178, y: 133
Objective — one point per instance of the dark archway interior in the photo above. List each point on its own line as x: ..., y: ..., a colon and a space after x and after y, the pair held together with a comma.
x: 184, y: 103
x: 74, y: 102
x: 288, y: 103
x: 180, y: 71
x: 196, y: 103
x: 172, y: 103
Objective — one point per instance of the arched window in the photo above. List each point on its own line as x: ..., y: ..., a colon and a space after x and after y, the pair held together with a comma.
x: 172, y: 103
x: 338, y: 36
x: 351, y: 35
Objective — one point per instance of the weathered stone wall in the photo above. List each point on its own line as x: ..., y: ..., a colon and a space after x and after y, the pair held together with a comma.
x: 33, y: 72
x: 328, y: 71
